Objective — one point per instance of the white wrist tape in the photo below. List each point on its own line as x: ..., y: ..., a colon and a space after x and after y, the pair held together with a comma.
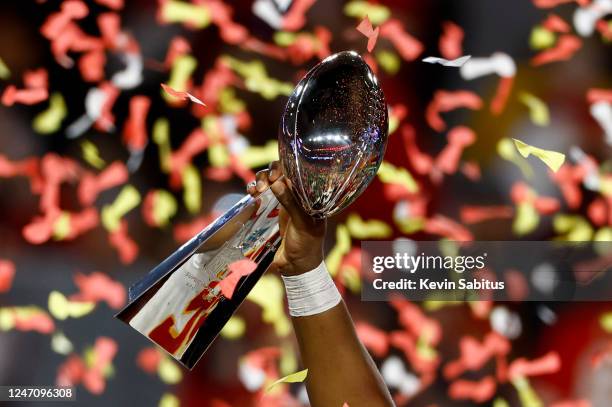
x: 311, y: 293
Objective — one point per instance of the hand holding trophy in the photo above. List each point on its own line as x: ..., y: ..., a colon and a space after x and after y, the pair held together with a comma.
x: 332, y: 138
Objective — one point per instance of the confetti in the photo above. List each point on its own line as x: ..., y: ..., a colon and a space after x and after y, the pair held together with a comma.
x: 96, y: 287
x: 552, y: 159
x: 366, y: 230
x: 128, y: 199
x: 50, y: 120
x: 7, y: 274
x: 5, y: 72
x: 445, y: 101
x: 457, y: 62
x: 538, y: 111
x: 450, y: 43
x: 477, y: 391
x: 181, y: 95
x: 61, y: 308
x: 365, y: 27
x: 406, y: 45
x: 297, y: 377
x: 567, y: 45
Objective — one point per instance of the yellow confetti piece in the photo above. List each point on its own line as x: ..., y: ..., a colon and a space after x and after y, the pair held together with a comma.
x: 174, y: 11
x: 256, y: 78
x: 234, y: 328
x: 128, y: 199
x: 229, y: 103
x: 50, y: 120
x: 164, y: 208
x: 257, y: 156
x: 168, y: 371
x: 526, y: 219
x: 423, y: 347
x: 606, y: 322
x: 351, y: 279
x: 377, y: 13
x: 181, y: 71
x: 574, y: 228
x: 61, y: 344
x: 390, y: 174
x: 552, y: 159
x: 288, y: 362
x: 538, y: 111
x: 91, y: 155
x: 269, y: 294
x: 161, y: 137
x: 61, y: 308
x: 8, y: 315
x: 169, y: 400
x: 409, y: 225
x: 61, y: 227
x: 371, y: 229
x: 192, y: 189
x: 528, y: 396
x: 605, y: 186
x: 297, y: 377
x: 604, y: 234
x: 5, y: 72
x: 389, y: 61
x: 342, y: 247
x: 541, y: 38
x: 284, y: 38
x: 500, y: 402
x: 507, y: 151
x: 7, y: 319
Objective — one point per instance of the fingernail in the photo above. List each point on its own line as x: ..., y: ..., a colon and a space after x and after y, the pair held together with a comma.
x: 272, y: 173
x: 261, y: 185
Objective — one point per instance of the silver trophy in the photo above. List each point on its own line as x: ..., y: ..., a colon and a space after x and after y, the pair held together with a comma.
x: 332, y: 138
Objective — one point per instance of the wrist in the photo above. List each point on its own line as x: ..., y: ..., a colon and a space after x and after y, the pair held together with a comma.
x: 303, y: 264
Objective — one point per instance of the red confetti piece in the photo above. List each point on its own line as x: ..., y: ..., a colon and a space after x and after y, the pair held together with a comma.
x: 28, y: 167
x: 604, y: 29
x: 547, y: 364
x: 477, y: 214
x: 458, y: 139
x: 229, y: 31
x: 110, y: 29
x: 407, y: 344
x: 451, y: 40
x: 365, y: 27
x: 92, y: 185
x: 443, y: 226
x: 566, y: 47
x: 104, y: 351
x: 408, y: 47
x: 412, y: 318
x: 296, y: 17
x: 179, y: 46
x: 71, y: 372
x: 595, y: 95
x: 474, y: 355
x: 555, y: 3
x: 555, y: 23
x: 237, y: 270
x: 112, y: 4
x: 569, y: 179
x: 516, y: 284
x: 13, y: 95
x: 374, y: 339
x: 135, y: 127
x: 421, y: 162
x: 477, y: 391
x: 91, y: 66
x: 81, y: 222
x: 125, y: 246
x: 98, y: 287
x: 181, y: 95
x: 38, y: 322
x: 445, y: 101
x: 185, y: 231
x: 571, y: 403
x: 7, y: 273
x: 504, y: 88
x: 197, y: 142
x: 106, y: 121
x: 148, y: 359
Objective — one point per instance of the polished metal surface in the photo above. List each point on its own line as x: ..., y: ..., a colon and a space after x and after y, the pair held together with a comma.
x: 333, y: 133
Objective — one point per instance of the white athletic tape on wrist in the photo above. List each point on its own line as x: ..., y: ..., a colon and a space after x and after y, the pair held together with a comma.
x: 311, y: 293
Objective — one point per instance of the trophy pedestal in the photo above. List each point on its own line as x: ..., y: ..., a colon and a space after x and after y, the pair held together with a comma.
x: 179, y: 305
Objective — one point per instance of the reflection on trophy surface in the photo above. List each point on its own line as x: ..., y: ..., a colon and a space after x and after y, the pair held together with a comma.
x: 332, y: 138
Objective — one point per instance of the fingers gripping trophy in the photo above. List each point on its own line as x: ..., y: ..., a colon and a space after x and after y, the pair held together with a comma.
x: 332, y: 138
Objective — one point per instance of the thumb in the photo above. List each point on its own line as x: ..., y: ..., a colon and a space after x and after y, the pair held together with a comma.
x: 283, y: 193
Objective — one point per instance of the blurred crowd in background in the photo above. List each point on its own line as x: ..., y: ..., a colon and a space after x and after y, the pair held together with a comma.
x: 103, y: 173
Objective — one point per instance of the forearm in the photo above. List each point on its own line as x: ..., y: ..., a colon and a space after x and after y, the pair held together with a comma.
x: 339, y: 368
